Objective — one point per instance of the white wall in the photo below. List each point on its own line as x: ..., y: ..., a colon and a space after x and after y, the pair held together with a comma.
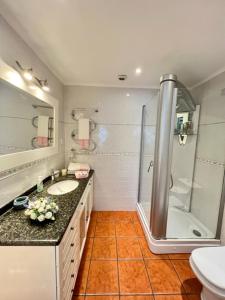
x: 210, y: 161
x: 116, y: 158
x: 12, y: 48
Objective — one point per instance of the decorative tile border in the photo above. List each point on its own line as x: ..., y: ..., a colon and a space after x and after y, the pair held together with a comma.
x: 7, y: 149
x: 96, y: 153
x: 210, y: 162
x: 14, y: 171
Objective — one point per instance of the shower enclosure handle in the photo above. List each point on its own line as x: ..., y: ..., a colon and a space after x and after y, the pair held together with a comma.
x: 171, y: 181
x: 151, y: 164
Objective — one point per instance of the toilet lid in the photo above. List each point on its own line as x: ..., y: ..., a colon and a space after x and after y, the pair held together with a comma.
x: 210, y: 262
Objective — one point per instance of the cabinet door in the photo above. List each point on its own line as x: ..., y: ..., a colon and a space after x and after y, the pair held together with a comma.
x: 27, y: 272
x: 69, y: 257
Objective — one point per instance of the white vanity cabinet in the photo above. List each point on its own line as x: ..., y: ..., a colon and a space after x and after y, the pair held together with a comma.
x: 47, y: 272
x: 70, y: 250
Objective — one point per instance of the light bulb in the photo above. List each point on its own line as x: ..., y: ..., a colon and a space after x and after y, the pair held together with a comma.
x: 127, y: 94
x: 45, y: 88
x: 27, y: 75
x: 33, y: 87
x: 138, y: 71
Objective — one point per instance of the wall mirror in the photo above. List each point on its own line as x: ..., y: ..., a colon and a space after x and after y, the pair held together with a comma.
x: 28, y: 120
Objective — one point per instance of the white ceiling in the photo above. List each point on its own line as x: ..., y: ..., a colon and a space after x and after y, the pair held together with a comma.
x: 91, y: 41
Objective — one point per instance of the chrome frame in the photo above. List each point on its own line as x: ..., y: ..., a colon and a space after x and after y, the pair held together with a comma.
x: 163, y: 155
x: 141, y: 150
x: 221, y: 210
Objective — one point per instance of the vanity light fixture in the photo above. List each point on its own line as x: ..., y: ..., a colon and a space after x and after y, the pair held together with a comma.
x: 43, y: 84
x: 138, y: 71
x: 27, y: 73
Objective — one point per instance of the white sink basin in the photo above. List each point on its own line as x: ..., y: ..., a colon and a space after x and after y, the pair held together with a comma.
x: 63, y: 187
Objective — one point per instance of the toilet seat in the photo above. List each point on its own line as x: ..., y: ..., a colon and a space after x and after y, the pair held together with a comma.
x: 209, y: 266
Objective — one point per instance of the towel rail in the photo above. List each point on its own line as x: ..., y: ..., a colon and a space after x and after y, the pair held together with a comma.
x: 50, y: 129
x: 92, y: 145
x: 77, y: 113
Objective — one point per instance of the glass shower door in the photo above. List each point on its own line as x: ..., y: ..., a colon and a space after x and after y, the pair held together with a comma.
x: 146, y: 162
x: 197, y: 174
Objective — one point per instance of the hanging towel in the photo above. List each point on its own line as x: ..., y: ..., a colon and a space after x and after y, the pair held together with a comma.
x: 42, y: 131
x: 83, y: 133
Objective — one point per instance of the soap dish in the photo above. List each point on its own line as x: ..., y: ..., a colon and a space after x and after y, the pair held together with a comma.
x: 21, y: 202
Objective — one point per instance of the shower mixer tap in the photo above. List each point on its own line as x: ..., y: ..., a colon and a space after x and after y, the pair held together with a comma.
x: 151, y: 164
x: 171, y: 181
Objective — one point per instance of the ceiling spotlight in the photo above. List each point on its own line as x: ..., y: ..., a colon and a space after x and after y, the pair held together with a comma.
x: 138, y: 71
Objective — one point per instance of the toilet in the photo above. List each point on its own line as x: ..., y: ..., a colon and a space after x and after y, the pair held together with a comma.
x: 208, y: 265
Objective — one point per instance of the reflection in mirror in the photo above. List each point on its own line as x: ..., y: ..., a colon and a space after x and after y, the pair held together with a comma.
x: 26, y: 122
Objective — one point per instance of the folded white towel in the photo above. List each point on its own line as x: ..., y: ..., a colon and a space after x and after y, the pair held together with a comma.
x: 77, y: 167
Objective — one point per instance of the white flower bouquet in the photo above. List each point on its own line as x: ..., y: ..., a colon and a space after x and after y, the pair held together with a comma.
x: 42, y: 209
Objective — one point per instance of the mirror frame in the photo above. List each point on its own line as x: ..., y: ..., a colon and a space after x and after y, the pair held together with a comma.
x: 17, y: 159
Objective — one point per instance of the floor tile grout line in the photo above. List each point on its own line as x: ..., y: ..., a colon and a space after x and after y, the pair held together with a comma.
x: 85, y: 291
x: 149, y: 277
x: 117, y: 262
x: 178, y: 277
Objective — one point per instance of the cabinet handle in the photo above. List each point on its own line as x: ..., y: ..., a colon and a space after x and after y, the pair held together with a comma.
x: 72, y: 275
x: 71, y: 228
x: 72, y: 260
x: 72, y: 244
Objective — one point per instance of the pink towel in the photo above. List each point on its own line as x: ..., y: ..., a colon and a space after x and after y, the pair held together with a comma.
x: 84, y: 144
x: 79, y: 174
x: 42, y: 141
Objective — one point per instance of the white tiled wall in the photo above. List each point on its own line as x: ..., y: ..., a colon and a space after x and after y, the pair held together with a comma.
x: 12, y: 48
x: 117, y: 135
x: 210, y: 162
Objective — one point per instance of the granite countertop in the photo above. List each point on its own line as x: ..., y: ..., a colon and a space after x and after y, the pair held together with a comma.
x: 17, y: 230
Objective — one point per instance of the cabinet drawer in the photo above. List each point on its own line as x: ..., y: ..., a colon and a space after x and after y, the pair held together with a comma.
x: 70, y: 281
x: 71, y: 259
x: 69, y: 292
x: 69, y: 237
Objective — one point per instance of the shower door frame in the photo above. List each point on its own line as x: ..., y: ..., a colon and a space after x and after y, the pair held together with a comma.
x: 141, y: 151
x: 163, y: 156
x: 156, y: 233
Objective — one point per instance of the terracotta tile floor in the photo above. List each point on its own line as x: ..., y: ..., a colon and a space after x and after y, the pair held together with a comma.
x: 118, y: 265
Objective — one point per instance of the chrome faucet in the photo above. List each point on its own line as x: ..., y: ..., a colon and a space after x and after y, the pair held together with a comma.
x: 52, y: 175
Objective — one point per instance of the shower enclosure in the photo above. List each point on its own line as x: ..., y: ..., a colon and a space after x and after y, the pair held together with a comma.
x: 171, y: 188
